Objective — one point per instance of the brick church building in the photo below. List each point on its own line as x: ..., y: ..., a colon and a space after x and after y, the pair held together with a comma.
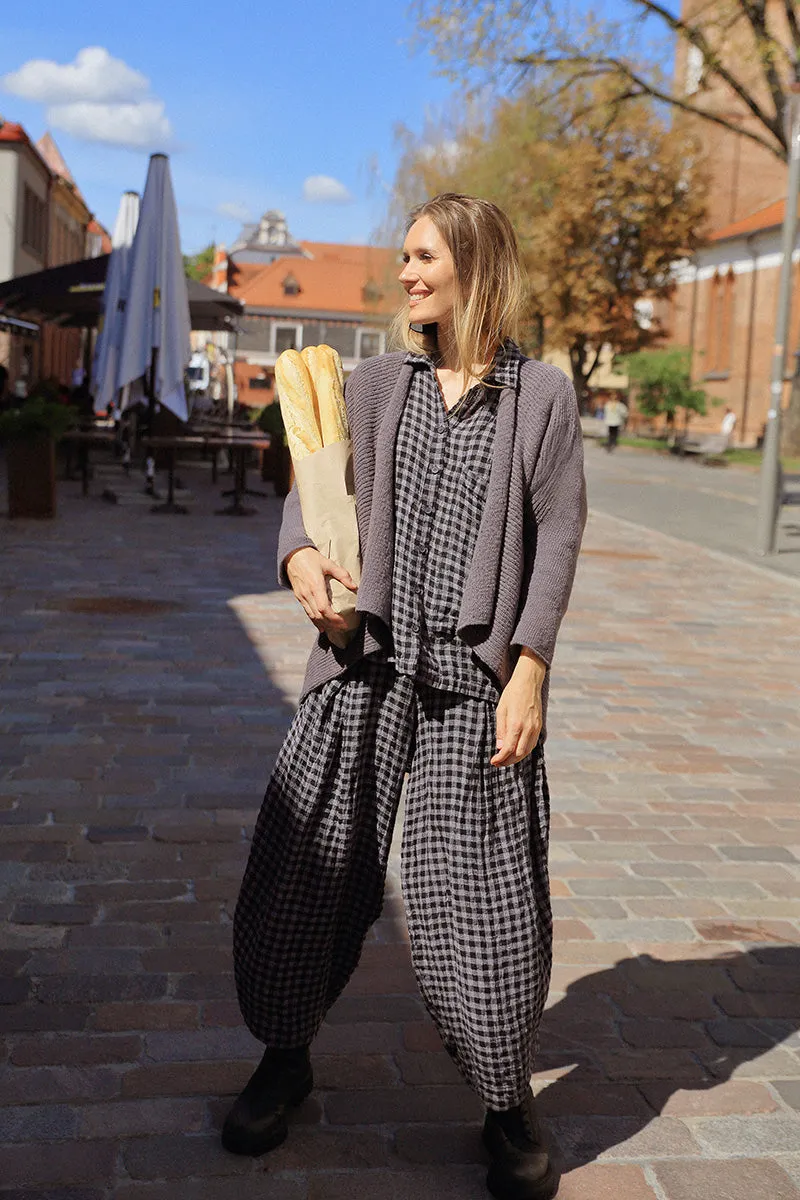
x: 725, y: 305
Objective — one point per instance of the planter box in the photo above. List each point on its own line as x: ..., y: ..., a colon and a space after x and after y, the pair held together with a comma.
x: 31, y: 466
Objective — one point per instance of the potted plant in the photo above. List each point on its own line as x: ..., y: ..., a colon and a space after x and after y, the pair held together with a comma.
x: 277, y: 465
x: 29, y: 432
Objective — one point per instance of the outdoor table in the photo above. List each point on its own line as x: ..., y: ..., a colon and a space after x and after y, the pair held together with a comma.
x: 85, y: 439
x: 207, y: 429
x: 238, y: 445
x: 171, y: 444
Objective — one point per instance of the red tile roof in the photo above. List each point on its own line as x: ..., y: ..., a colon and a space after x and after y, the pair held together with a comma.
x: 11, y: 132
x: 95, y: 227
x: 54, y: 158
x: 770, y: 217
x: 332, y: 280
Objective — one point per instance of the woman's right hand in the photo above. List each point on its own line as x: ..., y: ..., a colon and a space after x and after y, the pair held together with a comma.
x: 308, y: 572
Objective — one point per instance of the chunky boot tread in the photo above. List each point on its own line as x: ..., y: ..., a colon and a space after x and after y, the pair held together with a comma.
x: 521, y: 1167
x: 502, y: 1187
x: 257, y: 1121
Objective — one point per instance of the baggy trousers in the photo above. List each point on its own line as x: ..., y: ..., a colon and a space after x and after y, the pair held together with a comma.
x: 473, y: 868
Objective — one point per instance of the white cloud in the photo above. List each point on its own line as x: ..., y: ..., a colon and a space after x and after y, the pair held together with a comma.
x: 235, y: 210
x: 137, y: 126
x: 95, y: 76
x: 323, y: 189
x: 97, y: 98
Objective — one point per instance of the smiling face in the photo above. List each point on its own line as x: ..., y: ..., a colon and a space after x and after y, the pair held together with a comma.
x: 428, y: 274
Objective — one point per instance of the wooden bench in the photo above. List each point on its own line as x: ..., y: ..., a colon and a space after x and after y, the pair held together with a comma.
x: 788, y: 490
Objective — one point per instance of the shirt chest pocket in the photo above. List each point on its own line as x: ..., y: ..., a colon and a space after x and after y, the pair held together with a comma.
x: 477, y: 464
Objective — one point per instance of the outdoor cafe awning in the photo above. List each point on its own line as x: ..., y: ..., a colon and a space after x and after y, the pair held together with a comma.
x: 72, y: 295
x: 15, y: 325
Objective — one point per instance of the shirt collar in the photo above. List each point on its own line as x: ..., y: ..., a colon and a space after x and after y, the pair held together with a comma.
x: 505, y: 369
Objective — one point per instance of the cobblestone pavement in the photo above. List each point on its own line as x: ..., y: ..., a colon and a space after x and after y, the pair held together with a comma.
x: 148, y: 670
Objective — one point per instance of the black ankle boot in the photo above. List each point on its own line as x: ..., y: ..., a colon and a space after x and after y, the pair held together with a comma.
x: 257, y: 1121
x: 521, y: 1167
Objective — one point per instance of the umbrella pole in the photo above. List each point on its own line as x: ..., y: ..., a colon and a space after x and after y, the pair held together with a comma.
x: 151, y: 393
x: 170, y: 506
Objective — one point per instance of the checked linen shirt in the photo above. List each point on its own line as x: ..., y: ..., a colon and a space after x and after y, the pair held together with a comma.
x: 442, y: 464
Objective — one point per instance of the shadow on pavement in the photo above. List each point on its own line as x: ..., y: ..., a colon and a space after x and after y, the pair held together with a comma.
x: 632, y: 1036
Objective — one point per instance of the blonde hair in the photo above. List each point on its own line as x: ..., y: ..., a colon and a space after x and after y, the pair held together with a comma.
x: 489, y: 282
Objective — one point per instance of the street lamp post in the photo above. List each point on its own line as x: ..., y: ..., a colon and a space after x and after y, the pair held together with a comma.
x: 768, y: 506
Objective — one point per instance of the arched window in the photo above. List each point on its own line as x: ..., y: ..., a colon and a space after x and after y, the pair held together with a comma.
x: 719, y: 322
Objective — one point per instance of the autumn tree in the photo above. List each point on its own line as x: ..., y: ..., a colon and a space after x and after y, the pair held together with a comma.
x: 724, y: 65
x: 748, y: 49
x: 602, y: 210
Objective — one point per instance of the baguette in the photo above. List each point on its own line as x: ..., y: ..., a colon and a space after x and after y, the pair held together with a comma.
x: 299, y: 406
x: 325, y: 368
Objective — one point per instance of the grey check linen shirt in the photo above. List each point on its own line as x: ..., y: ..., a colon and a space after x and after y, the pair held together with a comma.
x: 442, y: 464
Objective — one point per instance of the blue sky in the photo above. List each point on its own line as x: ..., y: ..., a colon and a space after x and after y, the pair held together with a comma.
x: 257, y: 97
x: 260, y: 96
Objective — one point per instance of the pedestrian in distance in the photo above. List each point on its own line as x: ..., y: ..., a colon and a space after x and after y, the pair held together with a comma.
x: 728, y: 422
x: 470, y: 499
x: 615, y: 414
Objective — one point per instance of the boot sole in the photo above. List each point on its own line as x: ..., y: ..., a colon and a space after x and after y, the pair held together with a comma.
x: 504, y: 1188
x: 254, y: 1145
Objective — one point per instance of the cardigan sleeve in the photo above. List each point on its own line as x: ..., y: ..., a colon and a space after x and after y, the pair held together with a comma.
x: 557, y: 499
x: 292, y: 535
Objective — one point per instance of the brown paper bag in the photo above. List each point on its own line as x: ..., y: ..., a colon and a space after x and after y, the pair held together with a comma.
x: 326, y: 486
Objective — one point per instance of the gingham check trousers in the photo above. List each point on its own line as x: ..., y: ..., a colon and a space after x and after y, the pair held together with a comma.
x: 474, y: 871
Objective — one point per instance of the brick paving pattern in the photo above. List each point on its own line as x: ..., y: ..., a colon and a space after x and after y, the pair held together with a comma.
x: 147, y: 676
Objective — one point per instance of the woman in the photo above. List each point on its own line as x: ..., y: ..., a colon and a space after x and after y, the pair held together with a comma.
x: 471, y: 505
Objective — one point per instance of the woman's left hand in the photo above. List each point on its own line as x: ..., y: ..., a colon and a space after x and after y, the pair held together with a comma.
x: 519, y: 711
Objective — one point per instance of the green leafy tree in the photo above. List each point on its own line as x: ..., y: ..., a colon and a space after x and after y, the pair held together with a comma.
x: 198, y: 266
x: 662, y: 383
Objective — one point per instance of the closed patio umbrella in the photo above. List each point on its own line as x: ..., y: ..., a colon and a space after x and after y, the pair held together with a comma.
x: 106, y: 356
x: 156, y: 330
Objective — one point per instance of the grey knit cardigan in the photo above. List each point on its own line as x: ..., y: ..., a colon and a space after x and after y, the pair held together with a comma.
x: 521, y: 575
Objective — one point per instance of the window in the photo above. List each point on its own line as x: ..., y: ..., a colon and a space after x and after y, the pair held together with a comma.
x: 261, y: 381
x: 719, y: 323
x: 34, y: 222
x: 287, y: 337
x: 370, y: 343
x: 793, y: 344
x: 290, y: 286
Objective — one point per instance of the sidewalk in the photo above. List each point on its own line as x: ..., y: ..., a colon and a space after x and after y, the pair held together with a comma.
x: 715, y: 507
x: 148, y: 670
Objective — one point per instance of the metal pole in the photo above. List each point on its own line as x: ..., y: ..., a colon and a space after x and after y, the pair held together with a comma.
x: 768, y: 505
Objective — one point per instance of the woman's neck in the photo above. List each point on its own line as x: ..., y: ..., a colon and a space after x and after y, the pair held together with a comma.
x: 447, y: 358
x: 446, y: 349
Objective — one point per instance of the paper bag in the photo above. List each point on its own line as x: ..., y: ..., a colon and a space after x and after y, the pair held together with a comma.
x: 326, y: 486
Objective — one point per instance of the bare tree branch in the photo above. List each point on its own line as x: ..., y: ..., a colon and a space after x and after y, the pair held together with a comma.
x: 696, y: 37
x: 645, y: 88
x: 767, y: 47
